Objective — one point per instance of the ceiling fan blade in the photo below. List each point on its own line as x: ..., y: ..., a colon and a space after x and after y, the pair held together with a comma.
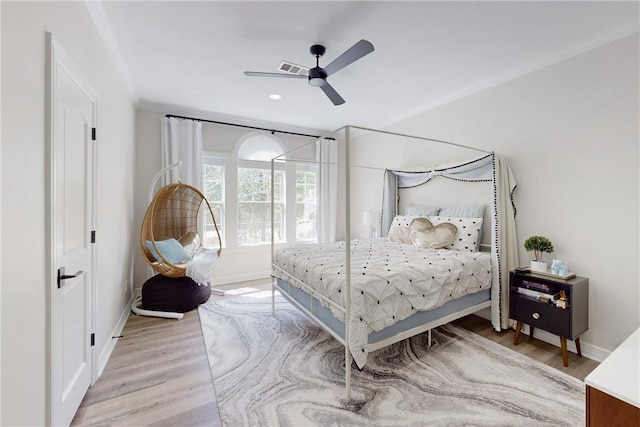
x: 355, y: 52
x: 285, y: 75
x: 332, y: 94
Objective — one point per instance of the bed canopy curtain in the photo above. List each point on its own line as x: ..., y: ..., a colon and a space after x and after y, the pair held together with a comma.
x: 182, y: 141
x: 326, y: 210
x: 492, y: 168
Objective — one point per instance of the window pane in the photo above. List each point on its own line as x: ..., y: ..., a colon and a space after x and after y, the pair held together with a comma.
x: 305, y: 204
x: 254, y: 206
x: 213, y: 189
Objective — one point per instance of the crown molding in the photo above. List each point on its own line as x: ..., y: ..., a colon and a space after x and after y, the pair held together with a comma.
x: 102, y: 25
x: 164, y: 109
x: 600, y: 39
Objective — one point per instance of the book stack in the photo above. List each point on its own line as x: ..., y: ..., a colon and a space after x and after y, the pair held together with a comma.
x: 538, y: 291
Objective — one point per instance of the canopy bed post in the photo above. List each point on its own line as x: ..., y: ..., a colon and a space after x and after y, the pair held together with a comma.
x: 347, y: 210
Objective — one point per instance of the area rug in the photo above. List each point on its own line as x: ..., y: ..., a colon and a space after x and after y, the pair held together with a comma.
x: 282, y: 369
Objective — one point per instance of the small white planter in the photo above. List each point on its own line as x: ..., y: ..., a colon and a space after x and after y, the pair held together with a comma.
x: 539, y: 266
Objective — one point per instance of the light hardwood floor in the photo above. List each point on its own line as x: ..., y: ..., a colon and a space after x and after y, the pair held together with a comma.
x: 158, y: 374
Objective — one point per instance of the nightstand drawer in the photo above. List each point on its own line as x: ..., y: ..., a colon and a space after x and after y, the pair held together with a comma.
x: 542, y: 316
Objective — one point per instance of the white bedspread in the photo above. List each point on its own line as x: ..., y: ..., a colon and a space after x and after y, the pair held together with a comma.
x: 389, y: 281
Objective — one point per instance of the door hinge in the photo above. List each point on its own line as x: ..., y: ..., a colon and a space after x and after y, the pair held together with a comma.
x: 93, y: 134
x: 93, y: 236
x: 93, y: 340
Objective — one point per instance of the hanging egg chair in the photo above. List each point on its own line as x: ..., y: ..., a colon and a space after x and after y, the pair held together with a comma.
x: 172, y: 218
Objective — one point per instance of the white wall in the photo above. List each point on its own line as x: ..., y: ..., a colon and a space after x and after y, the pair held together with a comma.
x: 570, y: 132
x: 23, y: 194
x: 236, y: 263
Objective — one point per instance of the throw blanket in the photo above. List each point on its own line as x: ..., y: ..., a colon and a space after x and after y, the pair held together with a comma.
x: 389, y: 281
x: 201, y: 266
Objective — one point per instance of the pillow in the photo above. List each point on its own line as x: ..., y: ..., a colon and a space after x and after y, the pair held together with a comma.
x: 171, y: 251
x: 426, y: 236
x: 468, y: 238
x: 400, y: 235
x: 421, y: 210
x: 470, y: 211
x: 190, y: 241
x: 402, y: 221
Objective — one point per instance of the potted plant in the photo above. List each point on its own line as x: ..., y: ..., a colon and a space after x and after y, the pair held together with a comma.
x: 539, y: 245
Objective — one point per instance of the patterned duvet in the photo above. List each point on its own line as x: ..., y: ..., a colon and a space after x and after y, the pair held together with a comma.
x: 389, y: 281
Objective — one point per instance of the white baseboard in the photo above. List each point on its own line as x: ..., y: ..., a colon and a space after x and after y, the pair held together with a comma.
x: 235, y: 278
x: 105, y: 354
x: 589, y: 351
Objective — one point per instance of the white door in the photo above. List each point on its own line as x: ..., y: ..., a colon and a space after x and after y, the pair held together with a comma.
x: 71, y: 130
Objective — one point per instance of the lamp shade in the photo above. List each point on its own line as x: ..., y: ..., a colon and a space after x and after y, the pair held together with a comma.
x: 369, y: 218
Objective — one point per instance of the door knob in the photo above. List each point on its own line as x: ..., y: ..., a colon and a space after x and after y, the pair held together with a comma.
x: 62, y: 276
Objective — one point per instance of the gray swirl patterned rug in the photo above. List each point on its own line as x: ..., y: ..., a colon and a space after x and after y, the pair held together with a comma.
x: 284, y: 370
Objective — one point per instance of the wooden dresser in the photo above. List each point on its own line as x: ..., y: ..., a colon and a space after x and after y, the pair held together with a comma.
x: 613, y: 388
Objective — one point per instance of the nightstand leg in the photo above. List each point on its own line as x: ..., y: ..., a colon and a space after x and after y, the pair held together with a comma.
x: 531, y: 329
x: 565, y: 356
x: 516, y: 338
x: 578, y: 350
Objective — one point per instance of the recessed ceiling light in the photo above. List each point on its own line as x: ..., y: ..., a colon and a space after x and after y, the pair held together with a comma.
x: 275, y: 96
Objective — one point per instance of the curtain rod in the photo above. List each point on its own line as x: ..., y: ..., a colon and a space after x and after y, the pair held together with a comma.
x: 242, y: 126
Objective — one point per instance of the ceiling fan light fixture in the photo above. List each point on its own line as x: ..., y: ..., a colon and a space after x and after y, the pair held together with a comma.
x: 317, y: 77
x: 317, y: 81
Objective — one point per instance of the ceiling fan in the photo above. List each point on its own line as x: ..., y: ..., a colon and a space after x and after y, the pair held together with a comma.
x: 317, y: 75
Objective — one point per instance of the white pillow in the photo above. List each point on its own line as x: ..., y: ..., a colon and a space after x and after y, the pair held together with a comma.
x: 422, y: 210
x: 400, y: 234
x: 191, y: 242
x: 467, y: 211
x: 468, y: 238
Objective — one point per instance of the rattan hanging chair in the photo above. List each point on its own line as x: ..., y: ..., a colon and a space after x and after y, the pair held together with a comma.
x: 173, y: 213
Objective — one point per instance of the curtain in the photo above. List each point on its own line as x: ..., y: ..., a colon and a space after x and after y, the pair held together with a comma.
x: 182, y: 141
x: 504, y: 252
x: 389, y: 201
x: 327, y: 190
x: 504, y: 242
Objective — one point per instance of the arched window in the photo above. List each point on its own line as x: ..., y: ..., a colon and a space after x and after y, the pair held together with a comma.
x: 259, y: 147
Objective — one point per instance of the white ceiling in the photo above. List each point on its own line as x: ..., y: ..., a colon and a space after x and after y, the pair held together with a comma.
x: 193, y: 54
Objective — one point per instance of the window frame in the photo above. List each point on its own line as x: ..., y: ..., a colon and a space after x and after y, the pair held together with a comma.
x: 263, y: 165
x: 212, y: 160
x: 307, y: 168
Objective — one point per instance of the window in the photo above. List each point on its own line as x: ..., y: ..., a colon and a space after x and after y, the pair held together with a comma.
x: 237, y: 185
x: 305, y: 203
x: 254, y: 204
x: 213, y: 185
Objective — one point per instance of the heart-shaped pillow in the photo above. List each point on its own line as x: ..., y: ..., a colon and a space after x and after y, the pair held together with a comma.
x: 425, y: 236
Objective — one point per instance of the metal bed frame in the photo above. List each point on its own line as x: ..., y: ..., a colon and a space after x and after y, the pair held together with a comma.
x: 317, y: 298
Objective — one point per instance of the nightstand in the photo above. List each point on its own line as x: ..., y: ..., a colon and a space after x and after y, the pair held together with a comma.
x: 533, y: 301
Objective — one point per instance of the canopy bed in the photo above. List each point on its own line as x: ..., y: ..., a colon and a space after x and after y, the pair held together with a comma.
x: 425, y: 271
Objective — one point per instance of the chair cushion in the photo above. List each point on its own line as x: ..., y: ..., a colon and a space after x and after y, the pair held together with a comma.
x: 179, y: 295
x: 170, y: 249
